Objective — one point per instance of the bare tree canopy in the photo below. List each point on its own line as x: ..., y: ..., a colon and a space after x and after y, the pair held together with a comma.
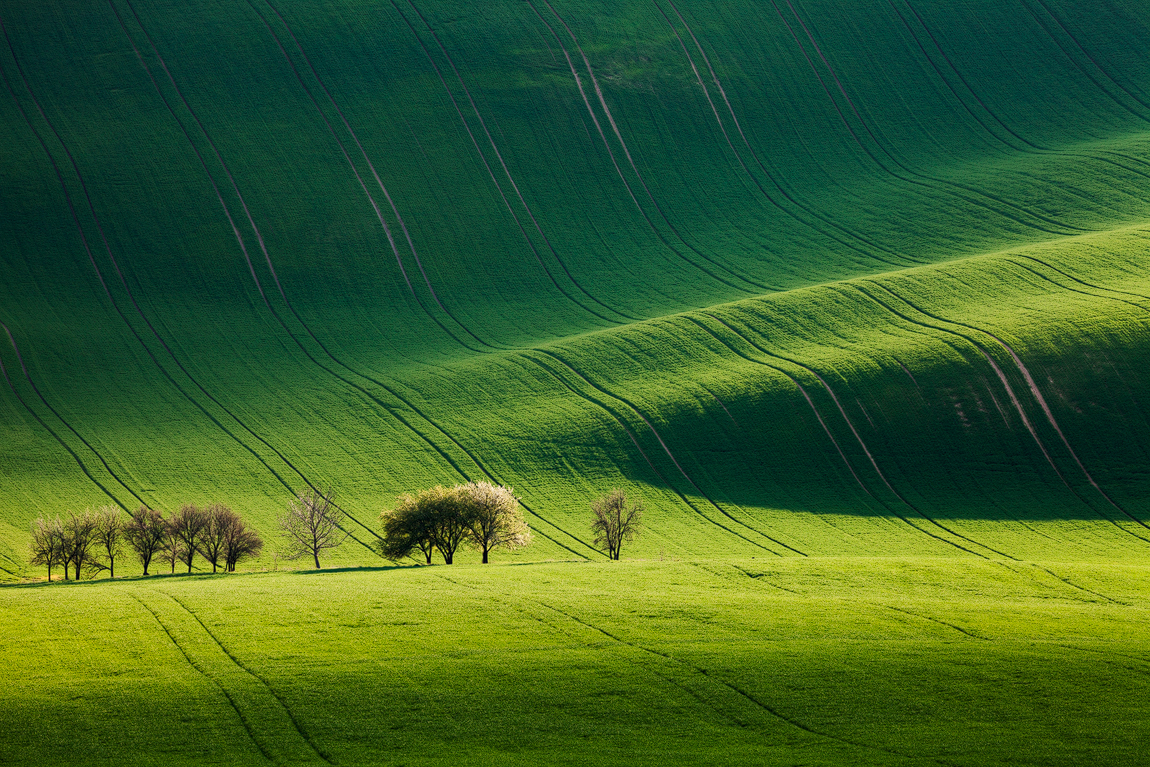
x: 218, y: 522
x: 493, y: 517
x: 79, y: 539
x: 187, y: 527
x: 312, y: 524
x: 240, y: 542
x: 145, y: 533
x: 110, y: 534
x: 48, y: 544
x: 614, y: 521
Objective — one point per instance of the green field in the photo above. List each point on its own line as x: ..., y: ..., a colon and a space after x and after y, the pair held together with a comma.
x: 854, y: 289
x: 753, y: 661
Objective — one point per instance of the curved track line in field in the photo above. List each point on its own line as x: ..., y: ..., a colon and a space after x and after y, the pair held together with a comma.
x: 506, y: 171
x: 1013, y: 397
x: 1079, y: 291
x: 83, y: 467
x: 1069, y: 276
x: 243, y: 248
x: 1028, y: 146
x: 956, y: 189
x: 50, y: 430
x: 866, y: 451
x: 619, y: 170
x: 1038, y: 396
x: 231, y: 701
x: 363, y: 186
x: 138, y: 308
x: 367, y: 159
x: 390, y: 390
x: 719, y: 120
x: 721, y: 682
x: 580, y: 637
x: 666, y: 450
x: 1087, y: 54
x: 822, y: 423
x: 263, y: 682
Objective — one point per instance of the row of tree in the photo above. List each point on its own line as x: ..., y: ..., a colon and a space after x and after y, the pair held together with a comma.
x: 92, y: 541
x: 482, y: 515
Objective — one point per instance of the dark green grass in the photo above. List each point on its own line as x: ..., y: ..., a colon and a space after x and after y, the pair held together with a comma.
x: 755, y: 283
x: 747, y: 661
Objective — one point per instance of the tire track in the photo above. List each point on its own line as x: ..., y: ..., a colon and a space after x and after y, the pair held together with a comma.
x: 506, y: 171
x: 556, y: 627
x: 1013, y: 397
x: 231, y: 701
x: 778, y: 186
x: 1080, y: 292
x: 68, y: 426
x: 858, y: 438
x: 1069, y: 276
x: 650, y: 463
x: 1028, y: 146
x: 123, y: 282
x: 771, y: 710
x: 602, y: 135
x: 295, y: 723
x: 270, y: 724
x: 956, y: 189
x: 1037, y: 393
x: 390, y: 390
x: 666, y: 450
x: 1089, y: 57
x: 363, y: 186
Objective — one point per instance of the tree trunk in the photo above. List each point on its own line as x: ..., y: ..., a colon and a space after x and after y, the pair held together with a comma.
x: 111, y: 567
x: 213, y: 568
x: 447, y: 557
x: 484, y: 555
x: 315, y: 554
x: 428, y: 553
x: 49, y: 572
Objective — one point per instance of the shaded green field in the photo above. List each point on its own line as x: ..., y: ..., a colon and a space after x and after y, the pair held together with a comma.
x: 854, y: 296
x: 747, y: 661
x: 777, y: 268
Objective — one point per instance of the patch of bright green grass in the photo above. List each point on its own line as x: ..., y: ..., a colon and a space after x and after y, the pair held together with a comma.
x: 899, y: 660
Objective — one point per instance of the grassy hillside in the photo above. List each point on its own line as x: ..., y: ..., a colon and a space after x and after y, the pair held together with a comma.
x: 877, y: 661
x: 814, y: 278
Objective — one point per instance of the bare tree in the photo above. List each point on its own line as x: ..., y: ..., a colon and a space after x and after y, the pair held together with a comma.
x: 493, y: 517
x: 145, y: 533
x: 188, y: 525
x: 78, y: 541
x: 173, y: 549
x: 406, y: 528
x: 219, y: 520
x: 312, y: 524
x: 615, y: 522
x: 240, y: 542
x: 48, y: 544
x: 110, y: 535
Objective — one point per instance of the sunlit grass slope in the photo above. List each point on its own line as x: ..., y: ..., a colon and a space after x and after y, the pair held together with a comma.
x: 813, y: 278
x: 877, y: 661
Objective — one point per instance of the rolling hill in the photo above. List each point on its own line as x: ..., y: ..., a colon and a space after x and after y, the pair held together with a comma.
x: 813, y: 278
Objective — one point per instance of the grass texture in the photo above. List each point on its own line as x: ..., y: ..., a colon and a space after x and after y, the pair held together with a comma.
x: 884, y: 661
x: 775, y: 267
x: 853, y: 295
